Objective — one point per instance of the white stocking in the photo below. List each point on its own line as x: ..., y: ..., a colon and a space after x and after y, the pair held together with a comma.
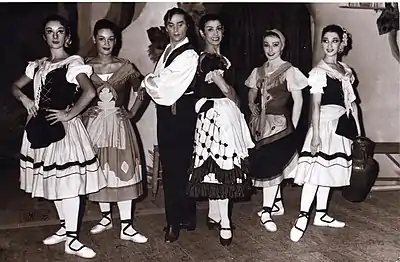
x: 307, y: 196
x: 278, y: 203
x: 105, y: 207
x: 322, y: 197
x: 223, y: 205
x: 279, y: 194
x: 125, y: 213
x: 269, y: 194
x: 125, y: 209
x: 213, y: 210
x: 58, y: 204
x: 60, y: 212
x: 70, y: 208
x: 322, y: 203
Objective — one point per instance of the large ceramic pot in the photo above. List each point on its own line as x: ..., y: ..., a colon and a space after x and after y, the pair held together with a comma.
x: 364, y: 171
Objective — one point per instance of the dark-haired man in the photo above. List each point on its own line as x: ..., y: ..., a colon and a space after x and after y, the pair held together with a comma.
x: 171, y: 86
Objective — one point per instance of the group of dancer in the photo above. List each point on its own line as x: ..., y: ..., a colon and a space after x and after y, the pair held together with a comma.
x: 79, y: 140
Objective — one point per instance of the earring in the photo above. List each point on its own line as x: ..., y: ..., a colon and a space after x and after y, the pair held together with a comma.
x: 68, y: 43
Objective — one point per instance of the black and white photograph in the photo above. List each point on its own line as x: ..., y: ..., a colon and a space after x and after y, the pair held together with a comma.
x: 200, y: 131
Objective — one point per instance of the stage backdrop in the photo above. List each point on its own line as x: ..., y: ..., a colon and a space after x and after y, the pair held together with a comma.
x: 376, y: 68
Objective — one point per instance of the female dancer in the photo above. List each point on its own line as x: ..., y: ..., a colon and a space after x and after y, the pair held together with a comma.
x: 222, y: 137
x: 273, y: 124
x: 57, y: 160
x: 325, y: 160
x: 107, y: 122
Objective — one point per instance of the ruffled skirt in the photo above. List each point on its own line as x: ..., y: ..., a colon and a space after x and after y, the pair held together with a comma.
x: 64, y: 169
x: 331, y: 166
x: 222, y: 140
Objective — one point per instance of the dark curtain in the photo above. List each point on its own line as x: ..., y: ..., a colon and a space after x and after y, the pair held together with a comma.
x: 70, y: 12
x: 21, y: 26
x: 242, y: 43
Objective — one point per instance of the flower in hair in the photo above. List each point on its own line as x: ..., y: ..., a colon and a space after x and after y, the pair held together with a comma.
x: 345, y: 37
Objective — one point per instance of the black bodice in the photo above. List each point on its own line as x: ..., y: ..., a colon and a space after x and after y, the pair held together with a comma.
x: 57, y: 92
x: 333, y: 93
x: 208, y: 63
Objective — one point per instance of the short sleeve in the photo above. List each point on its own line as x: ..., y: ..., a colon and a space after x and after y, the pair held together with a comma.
x: 317, y: 81
x: 30, y: 69
x: 75, y: 67
x: 210, y: 62
x: 295, y: 79
x: 251, y: 81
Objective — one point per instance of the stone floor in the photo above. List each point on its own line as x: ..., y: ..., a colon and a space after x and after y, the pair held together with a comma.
x: 372, y: 232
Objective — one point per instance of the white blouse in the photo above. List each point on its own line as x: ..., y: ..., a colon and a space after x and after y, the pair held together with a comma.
x: 317, y: 80
x: 171, y: 82
x: 75, y: 64
x: 295, y: 79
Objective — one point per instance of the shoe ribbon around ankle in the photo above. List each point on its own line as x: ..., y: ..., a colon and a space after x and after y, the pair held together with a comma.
x: 134, y: 237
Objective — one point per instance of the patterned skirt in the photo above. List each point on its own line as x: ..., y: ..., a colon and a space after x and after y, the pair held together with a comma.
x: 331, y: 165
x: 222, y: 140
x: 64, y: 169
x: 116, y: 145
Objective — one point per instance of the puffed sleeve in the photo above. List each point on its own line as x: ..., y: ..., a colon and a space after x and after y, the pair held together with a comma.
x: 209, y: 64
x: 317, y: 81
x: 295, y: 79
x: 75, y: 67
x: 30, y: 69
x: 251, y: 81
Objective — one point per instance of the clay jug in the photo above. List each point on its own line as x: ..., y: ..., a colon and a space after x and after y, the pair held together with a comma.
x: 364, y: 170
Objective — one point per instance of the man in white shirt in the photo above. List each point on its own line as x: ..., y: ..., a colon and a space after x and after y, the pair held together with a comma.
x: 171, y: 86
